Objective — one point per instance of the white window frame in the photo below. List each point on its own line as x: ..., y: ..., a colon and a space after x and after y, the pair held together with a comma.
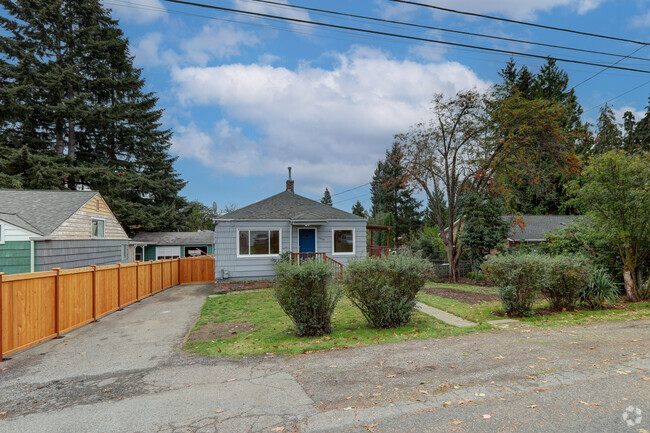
x: 168, y: 256
x: 354, y: 241
x: 258, y: 229
x: 315, y: 237
x: 91, y: 227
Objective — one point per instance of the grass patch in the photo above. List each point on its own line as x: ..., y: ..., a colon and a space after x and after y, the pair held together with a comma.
x: 478, y: 313
x: 623, y: 311
x: 464, y: 287
x: 274, y: 331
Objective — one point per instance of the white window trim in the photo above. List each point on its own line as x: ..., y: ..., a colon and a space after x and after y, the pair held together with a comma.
x: 315, y: 237
x: 2, y: 232
x: 354, y: 241
x: 257, y: 256
x: 91, y: 227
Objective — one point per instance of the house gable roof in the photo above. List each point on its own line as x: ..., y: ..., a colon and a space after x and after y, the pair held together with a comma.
x: 289, y: 206
x: 537, y: 226
x: 41, y: 211
x: 175, y: 238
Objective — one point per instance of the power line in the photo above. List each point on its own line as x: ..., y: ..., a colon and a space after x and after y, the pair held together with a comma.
x: 415, y: 38
x: 402, y: 23
x: 351, y: 189
x: 617, y: 96
x: 596, y: 35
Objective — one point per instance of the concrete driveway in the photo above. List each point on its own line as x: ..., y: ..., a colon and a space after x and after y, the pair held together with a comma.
x: 126, y: 373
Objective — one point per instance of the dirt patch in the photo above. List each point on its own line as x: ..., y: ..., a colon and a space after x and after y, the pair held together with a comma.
x: 461, y: 295
x: 540, y: 312
x: 215, y: 331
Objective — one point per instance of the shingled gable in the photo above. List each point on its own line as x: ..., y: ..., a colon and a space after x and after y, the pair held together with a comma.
x: 289, y: 206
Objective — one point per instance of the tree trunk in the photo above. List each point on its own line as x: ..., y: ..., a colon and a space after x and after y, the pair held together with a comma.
x: 72, y: 139
x: 59, y: 146
x: 630, y: 286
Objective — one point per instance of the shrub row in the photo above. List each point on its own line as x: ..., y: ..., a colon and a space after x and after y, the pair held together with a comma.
x: 383, y: 289
x: 565, y: 280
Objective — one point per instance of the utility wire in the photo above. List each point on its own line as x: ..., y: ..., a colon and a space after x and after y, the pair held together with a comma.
x: 351, y: 189
x: 442, y: 29
x: 375, y: 32
x: 561, y: 29
x: 617, y: 96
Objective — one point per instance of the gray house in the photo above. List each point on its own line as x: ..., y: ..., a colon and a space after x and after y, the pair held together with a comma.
x: 42, y: 229
x: 249, y: 239
x: 534, y: 227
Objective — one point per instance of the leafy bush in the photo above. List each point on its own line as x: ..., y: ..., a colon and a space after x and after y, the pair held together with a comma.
x: 567, y: 277
x: 477, y: 276
x: 429, y: 244
x: 519, y: 278
x: 600, y: 290
x: 306, y: 294
x: 384, y: 288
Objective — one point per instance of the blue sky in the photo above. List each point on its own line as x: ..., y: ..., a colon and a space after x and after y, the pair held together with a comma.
x: 247, y: 97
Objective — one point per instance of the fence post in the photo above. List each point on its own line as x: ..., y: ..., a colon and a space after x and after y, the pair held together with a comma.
x: 119, y: 271
x: 171, y: 273
x: 137, y: 280
x: 1, y: 328
x: 162, y: 275
x: 57, y: 326
x: 180, y: 273
x: 94, y: 292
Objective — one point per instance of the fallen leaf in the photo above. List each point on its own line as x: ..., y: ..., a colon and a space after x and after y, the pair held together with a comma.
x: 646, y: 378
x: 456, y: 421
x: 543, y: 359
x: 583, y: 402
x: 392, y: 375
x: 422, y: 391
x: 595, y: 404
x: 3, y: 413
x: 447, y: 403
x: 332, y: 366
x: 348, y: 398
x: 280, y: 428
x: 453, y: 366
x: 531, y: 406
x: 499, y: 357
x: 531, y: 366
x: 486, y: 416
x: 106, y: 389
x: 476, y: 394
x: 348, y: 408
x: 231, y: 380
x: 219, y: 411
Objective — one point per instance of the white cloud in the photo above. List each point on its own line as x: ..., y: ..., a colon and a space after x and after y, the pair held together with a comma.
x: 619, y: 112
x: 329, y: 124
x: 518, y: 9
x: 278, y: 10
x: 642, y: 21
x: 146, y: 11
x: 148, y: 52
x: 217, y: 41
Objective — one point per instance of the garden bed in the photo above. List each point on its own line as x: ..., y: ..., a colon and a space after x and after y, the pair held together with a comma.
x: 468, y: 297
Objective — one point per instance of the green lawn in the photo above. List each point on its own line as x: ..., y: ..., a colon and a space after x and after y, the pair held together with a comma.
x: 481, y: 313
x: 274, y: 329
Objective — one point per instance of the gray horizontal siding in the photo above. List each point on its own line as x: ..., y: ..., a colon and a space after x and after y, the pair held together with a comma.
x: 254, y: 268
x: 67, y: 254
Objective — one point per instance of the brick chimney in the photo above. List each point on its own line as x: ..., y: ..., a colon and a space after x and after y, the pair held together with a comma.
x: 290, y: 182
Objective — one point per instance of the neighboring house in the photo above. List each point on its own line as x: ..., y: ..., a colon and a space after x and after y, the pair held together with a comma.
x: 534, y: 227
x: 249, y: 239
x: 40, y: 230
x: 170, y: 245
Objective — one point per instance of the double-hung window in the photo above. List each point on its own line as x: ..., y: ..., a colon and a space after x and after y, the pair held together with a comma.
x: 97, y: 228
x: 258, y: 242
x: 343, y: 241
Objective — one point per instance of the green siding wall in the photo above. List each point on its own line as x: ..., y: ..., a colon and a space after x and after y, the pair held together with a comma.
x: 14, y: 257
x: 150, y: 250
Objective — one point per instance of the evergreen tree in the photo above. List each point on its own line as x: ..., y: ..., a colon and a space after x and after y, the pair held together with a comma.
x: 359, y: 210
x: 74, y: 114
x: 327, y: 198
x: 390, y: 193
x: 483, y: 228
x: 609, y: 135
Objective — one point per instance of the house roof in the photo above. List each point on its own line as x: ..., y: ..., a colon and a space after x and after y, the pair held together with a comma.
x: 175, y: 238
x: 537, y: 226
x: 40, y: 211
x: 289, y: 206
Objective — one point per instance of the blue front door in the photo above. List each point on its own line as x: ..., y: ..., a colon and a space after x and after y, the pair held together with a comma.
x: 307, y: 240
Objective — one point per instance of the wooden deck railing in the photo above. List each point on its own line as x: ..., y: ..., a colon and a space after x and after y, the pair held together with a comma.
x: 377, y: 251
x: 337, y: 267
x: 39, y: 306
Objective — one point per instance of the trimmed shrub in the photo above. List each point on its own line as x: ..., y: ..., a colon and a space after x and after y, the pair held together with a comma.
x: 519, y: 278
x: 306, y: 294
x: 384, y: 288
x: 568, y: 276
x: 601, y: 289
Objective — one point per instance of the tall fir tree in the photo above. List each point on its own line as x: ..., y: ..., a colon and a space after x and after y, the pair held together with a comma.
x: 391, y: 194
x: 75, y: 115
x: 359, y: 210
x: 608, y: 135
x: 327, y: 197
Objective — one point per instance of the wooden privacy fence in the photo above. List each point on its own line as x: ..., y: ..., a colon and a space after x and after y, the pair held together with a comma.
x: 39, y: 306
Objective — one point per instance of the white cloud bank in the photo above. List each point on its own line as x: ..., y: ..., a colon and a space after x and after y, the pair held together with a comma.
x: 331, y: 125
x: 517, y: 9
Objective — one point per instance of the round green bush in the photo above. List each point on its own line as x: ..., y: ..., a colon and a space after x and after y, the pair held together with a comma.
x: 384, y: 288
x: 306, y: 294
